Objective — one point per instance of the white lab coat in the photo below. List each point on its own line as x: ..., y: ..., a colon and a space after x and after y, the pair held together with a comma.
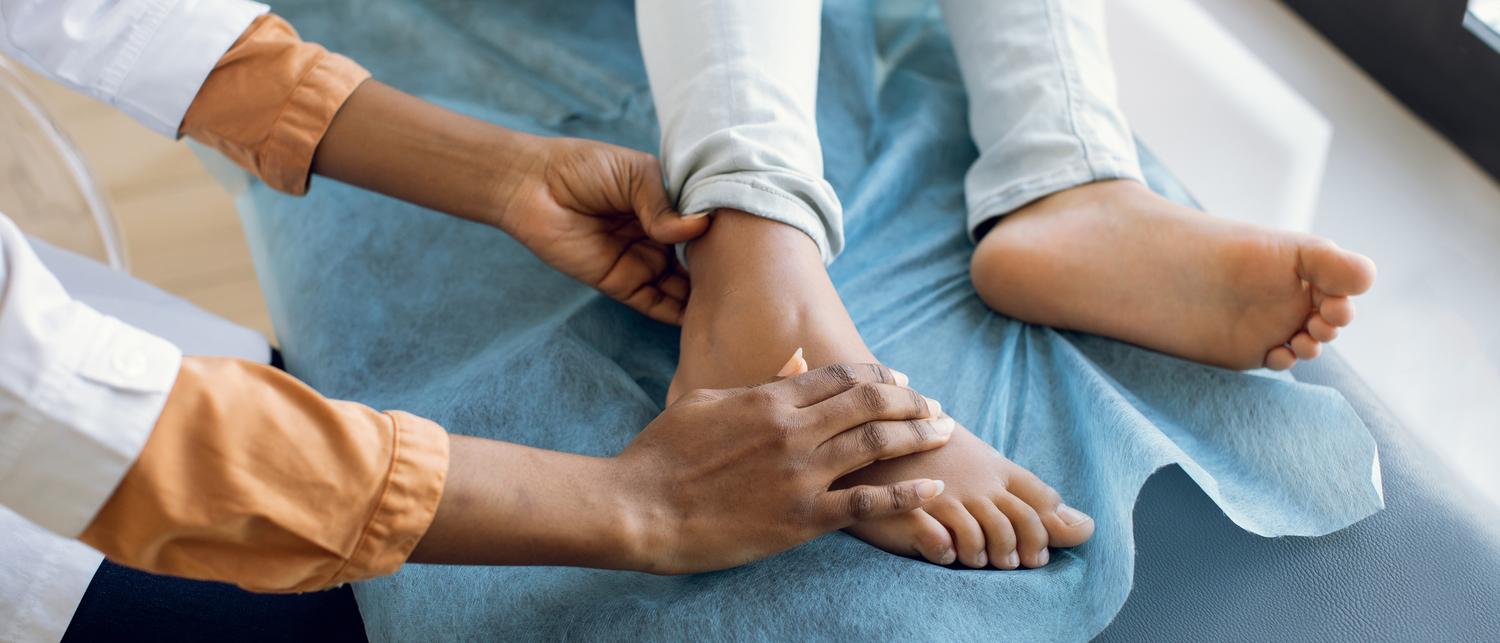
x: 80, y: 391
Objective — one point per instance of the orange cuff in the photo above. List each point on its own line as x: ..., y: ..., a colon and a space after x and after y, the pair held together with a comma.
x: 253, y: 478
x: 269, y: 100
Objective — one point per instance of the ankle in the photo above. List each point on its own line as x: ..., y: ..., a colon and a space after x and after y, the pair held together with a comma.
x: 743, y: 246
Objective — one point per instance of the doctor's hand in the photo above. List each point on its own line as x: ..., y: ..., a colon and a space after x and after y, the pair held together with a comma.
x: 719, y: 479
x: 598, y: 213
x: 594, y: 211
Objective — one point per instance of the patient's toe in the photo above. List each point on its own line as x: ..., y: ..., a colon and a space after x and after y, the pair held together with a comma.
x: 968, y: 538
x: 1066, y: 526
x: 1280, y: 358
x: 1338, y: 311
x: 1305, y: 347
x: 915, y: 533
x: 1031, y: 535
x: 1000, y: 538
x: 1320, y: 329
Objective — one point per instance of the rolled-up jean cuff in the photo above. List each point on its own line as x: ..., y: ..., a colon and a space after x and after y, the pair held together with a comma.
x: 753, y: 194
x: 1009, y: 198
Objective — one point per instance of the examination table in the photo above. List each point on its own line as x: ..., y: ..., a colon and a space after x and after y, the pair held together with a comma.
x: 1426, y: 567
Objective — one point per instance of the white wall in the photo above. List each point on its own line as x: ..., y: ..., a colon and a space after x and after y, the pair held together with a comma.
x: 1427, y: 338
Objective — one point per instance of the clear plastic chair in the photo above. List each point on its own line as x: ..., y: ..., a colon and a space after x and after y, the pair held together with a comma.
x: 44, y: 185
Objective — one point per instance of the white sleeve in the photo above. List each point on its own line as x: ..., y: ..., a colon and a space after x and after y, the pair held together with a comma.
x: 146, y: 57
x: 79, y: 394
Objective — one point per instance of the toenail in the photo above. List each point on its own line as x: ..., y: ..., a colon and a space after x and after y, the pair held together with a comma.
x: 1070, y: 516
x: 984, y: 559
x: 1042, y: 557
x: 948, y: 557
x: 1013, y: 560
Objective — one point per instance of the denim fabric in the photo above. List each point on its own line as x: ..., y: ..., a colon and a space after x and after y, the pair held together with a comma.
x: 735, y: 88
x: 398, y: 307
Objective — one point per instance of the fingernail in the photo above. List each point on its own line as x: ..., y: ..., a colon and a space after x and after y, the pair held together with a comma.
x: 944, y: 426
x: 983, y: 560
x: 696, y: 215
x: 929, y: 489
x: 901, y: 378
x: 1070, y: 516
x: 933, y: 408
x: 1043, y: 557
x: 1013, y: 560
x: 793, y: 366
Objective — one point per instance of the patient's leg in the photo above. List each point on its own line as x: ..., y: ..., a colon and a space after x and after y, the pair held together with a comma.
x: 1080, y: 243
x: 735, y: 87
x: 759, y: 292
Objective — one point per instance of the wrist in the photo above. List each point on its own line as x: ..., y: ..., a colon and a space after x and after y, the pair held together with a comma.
x: 641, y: 527
x: 518, y: 162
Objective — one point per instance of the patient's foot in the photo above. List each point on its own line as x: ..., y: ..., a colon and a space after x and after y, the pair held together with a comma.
x: 759, y: 292
x: 1115, y: 259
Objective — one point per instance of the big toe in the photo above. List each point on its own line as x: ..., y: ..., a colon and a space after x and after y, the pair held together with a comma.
x: 1066, y: 526
x: 1334, y: 270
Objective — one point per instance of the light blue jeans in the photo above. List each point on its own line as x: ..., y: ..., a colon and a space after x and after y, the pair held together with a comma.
x: 735, y: 87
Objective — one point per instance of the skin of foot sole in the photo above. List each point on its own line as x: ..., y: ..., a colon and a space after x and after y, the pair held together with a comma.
x: 1115, y: 259
x: 760, y: 292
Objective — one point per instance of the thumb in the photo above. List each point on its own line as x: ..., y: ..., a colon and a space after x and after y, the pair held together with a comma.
x: 662, y: 222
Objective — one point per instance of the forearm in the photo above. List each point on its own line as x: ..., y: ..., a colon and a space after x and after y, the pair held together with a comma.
x: 508, y: 504
x: 393, y: 143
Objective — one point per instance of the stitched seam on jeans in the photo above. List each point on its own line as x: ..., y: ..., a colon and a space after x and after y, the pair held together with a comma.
x: 1063, y: 69
x: 764, y: 189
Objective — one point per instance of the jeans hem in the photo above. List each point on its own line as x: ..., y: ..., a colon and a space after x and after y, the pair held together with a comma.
x: 1023, y: 191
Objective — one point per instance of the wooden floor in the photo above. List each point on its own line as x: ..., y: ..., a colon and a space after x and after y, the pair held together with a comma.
x: 180, y: 227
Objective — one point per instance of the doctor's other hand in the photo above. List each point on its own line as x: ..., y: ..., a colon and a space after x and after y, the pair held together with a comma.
x: 599, y: 213
x: 726, y: 477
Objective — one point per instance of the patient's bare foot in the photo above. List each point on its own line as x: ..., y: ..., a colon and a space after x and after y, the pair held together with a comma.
x: 1115, y: 259
x: 759, y: 292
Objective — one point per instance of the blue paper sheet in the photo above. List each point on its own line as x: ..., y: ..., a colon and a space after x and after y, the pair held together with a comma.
x: 399, y: 307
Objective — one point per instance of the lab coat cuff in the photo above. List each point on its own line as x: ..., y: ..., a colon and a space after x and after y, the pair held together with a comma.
x: 166, y: 67
x: 101, y: 404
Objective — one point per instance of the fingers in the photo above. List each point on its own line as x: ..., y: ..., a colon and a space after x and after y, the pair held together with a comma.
x: 641, y: 278
x: 820, y: 384
x: 658, y: 218
x: 845, y: 507
x: 868, y: 443
x: 868, y: 402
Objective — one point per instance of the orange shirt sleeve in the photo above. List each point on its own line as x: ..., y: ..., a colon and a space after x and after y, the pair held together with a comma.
x: 251, y: 477
x: 269, y: 100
